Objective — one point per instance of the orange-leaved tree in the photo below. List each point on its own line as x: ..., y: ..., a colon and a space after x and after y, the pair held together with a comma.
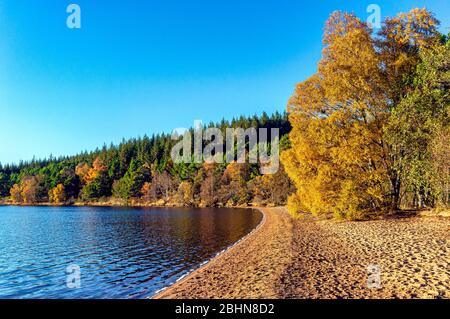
x: 337, y: 160
x: 340, y: 160
x: 57, y: 194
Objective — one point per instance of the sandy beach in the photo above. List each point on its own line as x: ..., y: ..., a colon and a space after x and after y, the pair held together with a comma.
x: 290, y: 258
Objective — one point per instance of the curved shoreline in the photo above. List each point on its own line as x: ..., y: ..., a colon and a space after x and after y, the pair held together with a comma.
x: 249, y: 268
x: 160, y: 293
x: 292, y: 258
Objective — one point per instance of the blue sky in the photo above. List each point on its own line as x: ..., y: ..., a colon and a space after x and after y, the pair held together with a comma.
x: 141, y: 67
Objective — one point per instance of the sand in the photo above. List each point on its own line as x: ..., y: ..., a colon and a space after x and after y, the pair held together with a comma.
x: 290, y: 258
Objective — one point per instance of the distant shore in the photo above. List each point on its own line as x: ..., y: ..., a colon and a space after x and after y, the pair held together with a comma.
x: 117, y: 204
x: 290, y: 258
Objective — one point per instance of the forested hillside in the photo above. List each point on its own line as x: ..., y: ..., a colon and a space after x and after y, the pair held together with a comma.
x: 370, y: 135
x: 141, y: 171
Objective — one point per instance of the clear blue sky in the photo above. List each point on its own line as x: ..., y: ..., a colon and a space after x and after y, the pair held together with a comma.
x: 138, y: 67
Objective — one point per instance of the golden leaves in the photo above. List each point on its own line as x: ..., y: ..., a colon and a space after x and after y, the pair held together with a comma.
x: 57, y: 194
x: 334, y: 158
x: 87, y: 174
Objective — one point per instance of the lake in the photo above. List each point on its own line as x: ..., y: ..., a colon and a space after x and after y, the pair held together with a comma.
x: 119, y: 252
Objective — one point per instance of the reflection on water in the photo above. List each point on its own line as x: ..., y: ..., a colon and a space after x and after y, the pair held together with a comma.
x: 122, y: 252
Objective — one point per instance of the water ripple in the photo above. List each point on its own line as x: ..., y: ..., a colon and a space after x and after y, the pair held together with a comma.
x: 122, y: 252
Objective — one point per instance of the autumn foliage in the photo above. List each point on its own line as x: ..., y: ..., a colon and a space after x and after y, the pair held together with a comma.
x: 58, y: 194
x: 364, y: 136
x: 343, y: 160
x: 28, y: 191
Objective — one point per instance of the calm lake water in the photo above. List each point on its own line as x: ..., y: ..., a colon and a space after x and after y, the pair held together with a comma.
x: 121, y: 252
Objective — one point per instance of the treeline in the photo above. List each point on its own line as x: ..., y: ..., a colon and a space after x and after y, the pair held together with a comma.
x: 367, y: 135
x: 371, y: 128
x: 141, y: 171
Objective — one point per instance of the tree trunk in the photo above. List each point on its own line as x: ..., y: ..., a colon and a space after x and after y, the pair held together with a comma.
x: 395, y: 194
